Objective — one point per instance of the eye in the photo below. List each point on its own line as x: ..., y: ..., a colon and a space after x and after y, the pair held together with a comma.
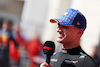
x: 59, y: 25
x: 65, y: 27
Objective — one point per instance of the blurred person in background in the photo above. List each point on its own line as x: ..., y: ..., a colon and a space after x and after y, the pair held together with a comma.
x: 94, y: 50
x: 17, y: 33
x: 6, y: 43
x: 34, y: 49
x: 95, y: 55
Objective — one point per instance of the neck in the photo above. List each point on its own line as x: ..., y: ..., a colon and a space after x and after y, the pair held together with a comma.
x: 71, y: 45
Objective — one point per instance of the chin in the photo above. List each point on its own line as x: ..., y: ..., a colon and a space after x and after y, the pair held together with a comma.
x: 59, y: 40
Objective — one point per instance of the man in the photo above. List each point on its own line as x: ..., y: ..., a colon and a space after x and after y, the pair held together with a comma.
x: 71, y: 26
x: 6, y: 43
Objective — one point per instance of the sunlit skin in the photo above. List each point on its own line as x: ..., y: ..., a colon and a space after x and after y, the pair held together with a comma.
x: 69, y: 36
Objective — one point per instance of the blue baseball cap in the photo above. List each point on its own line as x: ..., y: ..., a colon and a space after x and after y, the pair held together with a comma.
x: 71, y: 17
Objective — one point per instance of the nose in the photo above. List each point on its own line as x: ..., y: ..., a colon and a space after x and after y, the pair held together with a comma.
x: 59, y: 29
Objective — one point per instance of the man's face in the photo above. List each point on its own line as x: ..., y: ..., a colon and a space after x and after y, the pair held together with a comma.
x: 6, y: 25
x: 67, y: 34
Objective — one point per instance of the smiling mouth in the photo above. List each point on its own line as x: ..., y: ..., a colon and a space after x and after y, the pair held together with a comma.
x: 60, y: 36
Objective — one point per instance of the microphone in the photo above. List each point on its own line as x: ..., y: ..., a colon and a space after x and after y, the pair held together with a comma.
x: 48, y: 49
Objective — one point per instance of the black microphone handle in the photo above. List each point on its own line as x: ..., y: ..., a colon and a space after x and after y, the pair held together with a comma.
x: 48, y: 59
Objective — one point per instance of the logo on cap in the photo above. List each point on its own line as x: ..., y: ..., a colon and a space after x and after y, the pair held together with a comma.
x: 60, y: 20
x: 78, y: 23
x: 65, y: 13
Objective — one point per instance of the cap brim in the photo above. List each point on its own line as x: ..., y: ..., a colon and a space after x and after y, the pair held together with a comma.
x: 53, y: 21
x: 60, y: 22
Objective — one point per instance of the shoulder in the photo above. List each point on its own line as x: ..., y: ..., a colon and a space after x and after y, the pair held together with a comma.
x: 89, y: 62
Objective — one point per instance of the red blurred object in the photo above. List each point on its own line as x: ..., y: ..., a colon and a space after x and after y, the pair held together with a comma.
x: 13, y: 52
x: 21, y: 42
x: 34, y: 48
x: 33, y: 65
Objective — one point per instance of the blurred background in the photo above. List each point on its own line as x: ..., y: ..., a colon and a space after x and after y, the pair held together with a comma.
x: 30, y: 28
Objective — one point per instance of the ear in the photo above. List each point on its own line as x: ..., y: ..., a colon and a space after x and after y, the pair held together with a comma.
x: 80, y: 32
